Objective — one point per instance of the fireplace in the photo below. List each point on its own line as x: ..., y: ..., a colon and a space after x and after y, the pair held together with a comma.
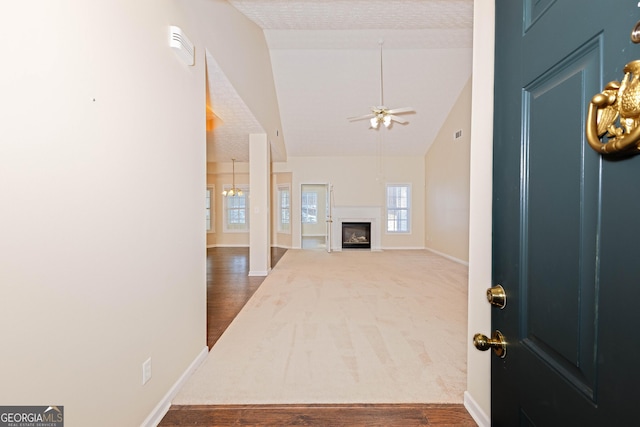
x: 356, y: 235
x: 357, y: 214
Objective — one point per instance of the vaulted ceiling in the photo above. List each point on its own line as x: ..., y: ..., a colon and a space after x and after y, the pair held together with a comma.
x: 326, y: 64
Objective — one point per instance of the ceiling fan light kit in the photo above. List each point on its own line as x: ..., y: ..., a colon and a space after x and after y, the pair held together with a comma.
x: 381, y: 114
x: 385, y: 119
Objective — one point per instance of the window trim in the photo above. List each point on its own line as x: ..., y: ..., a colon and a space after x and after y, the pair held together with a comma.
x: 211, y: 189
x: 302, y: 206
x: 387, y: 207
x: 225, y: 225
x: 280, y: 189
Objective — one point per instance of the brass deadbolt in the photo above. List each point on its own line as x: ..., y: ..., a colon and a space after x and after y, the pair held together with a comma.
x: 496, y: 342
x: 635, y: 33
x: 497, y: 296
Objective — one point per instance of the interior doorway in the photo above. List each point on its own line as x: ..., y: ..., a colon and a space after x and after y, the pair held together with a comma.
x: 315, y: 217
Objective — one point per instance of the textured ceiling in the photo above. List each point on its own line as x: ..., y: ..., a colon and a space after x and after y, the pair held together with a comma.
x: 357, y: 14
x: 230, y: 138
x: 326, y: 64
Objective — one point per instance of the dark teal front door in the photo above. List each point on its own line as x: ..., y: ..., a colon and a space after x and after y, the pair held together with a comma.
x: 566, y: 221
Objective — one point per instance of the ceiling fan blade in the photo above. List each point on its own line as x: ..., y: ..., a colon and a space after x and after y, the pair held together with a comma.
x: 367, y: 116
x: 380, y: 113
x: 401, y: 110
x: 397, y: 119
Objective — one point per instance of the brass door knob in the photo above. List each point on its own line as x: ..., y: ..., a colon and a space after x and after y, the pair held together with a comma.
x: 497, y: 296
x: 496, y: 342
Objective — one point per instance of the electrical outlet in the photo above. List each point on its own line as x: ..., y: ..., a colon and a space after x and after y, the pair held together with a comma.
x: 146, y: 371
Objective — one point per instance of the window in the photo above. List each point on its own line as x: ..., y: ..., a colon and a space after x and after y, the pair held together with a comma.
x: 236, y: 211
x: 284, y: 209
x: 309, y: 207
x: 210, y: 209
x: 398, y: 197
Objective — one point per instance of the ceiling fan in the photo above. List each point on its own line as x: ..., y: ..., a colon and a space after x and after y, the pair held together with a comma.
x: 381, y: 114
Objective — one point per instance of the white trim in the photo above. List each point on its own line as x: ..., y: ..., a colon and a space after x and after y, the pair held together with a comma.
x: 371, y: 214
x: 279, y: 189
x: 480, y: 203
x: 442, y: 254
x: 212, y: 208
x: 304, y: 206
x: 258, y: 273
x: 402, y: 248
x: 475, y: 411
x: 409, y: 207
x: 247, y: 210
x: 161, y: 409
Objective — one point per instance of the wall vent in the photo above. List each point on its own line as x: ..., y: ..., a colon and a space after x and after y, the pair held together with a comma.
x: 181, y: 45
x: 457, y: 134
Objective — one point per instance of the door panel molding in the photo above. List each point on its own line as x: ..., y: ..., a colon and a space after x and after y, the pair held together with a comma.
x: 534, y: 10
x: 559, y: 315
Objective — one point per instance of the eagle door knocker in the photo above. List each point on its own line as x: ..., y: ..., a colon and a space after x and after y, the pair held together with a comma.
x: 614, y: 115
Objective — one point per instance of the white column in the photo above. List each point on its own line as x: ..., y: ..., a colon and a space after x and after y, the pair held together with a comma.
x: 259, y: 205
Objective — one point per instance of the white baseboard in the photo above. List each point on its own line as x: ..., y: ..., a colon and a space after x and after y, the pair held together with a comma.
x: 401, y: 248
x: 458, y: 260
x: 259, y: 273
x: 478, y: 415
x: 163, y: 406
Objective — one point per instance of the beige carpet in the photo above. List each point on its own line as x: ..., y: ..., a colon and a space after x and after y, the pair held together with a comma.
x: 344, y: 327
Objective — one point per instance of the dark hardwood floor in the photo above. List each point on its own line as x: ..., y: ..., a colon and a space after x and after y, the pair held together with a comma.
x: 396, y: 415
x: 228, y: 288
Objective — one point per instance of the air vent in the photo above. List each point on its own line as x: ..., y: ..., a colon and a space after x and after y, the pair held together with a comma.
x: 457, y: 134
x: 181, y: 45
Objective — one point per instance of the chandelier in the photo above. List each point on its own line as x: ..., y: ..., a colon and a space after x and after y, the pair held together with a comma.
x: 233, y: 191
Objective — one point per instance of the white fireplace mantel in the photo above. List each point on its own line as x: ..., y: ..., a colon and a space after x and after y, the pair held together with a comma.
x: 372, y: 214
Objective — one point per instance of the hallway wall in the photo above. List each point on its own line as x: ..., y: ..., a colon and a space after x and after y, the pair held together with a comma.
x: 447, y: 183
x: 101, y: 175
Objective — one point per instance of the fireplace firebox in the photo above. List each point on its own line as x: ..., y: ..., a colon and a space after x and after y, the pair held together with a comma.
x: 356, y: 235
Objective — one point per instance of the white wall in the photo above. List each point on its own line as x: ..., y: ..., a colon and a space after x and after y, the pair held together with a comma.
x: 240, y: 49
x: 360, y: 181
x: 102, y: 170
x: 447, y: 183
